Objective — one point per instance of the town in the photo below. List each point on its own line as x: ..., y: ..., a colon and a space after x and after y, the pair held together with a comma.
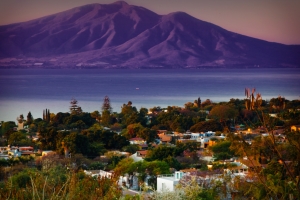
x: 240, y: 149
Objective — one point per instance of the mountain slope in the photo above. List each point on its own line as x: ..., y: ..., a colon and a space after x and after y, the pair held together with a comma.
x: 123, y: 35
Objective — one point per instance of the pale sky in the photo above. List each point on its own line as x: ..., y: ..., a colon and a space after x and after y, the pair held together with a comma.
x: 271, y: 20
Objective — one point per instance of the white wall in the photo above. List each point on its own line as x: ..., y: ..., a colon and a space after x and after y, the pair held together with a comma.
x: 166, y: 184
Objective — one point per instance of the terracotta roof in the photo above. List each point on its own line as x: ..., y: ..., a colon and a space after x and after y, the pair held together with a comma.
x: 166, y: 138
x: 136, y: 139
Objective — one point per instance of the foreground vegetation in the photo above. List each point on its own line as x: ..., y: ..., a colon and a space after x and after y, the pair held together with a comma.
x: 58, y: 183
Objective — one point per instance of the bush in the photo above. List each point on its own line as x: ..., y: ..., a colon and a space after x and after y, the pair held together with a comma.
x: 58, y: 183
x: 96, y: 166
x: 21, y: 180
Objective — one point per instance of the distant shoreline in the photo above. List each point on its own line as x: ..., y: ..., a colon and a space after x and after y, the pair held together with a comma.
x: 141, y: 68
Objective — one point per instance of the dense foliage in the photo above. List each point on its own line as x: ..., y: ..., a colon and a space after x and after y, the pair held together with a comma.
x: 80, y: 138
x: 58, y: 183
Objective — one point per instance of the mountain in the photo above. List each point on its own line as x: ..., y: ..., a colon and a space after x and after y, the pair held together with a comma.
x: 127, y: 36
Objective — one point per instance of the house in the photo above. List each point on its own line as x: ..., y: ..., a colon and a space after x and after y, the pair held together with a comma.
x: 4, y: 153
x: 295, y: 128
x: 161, y: 132
x: 139, y: 155
x: 207, y: 134
x: 273, y: 115
x: 238, y: 169
x: 143, y: 146
x: 4, y: 156
x: 14, y: 152
x: 203, y: 178
x: 169, y: 138
x: 202, y: 138
x: 26, y: 151
x: 49, y: 152
x: 252, y: 164
x: 168, y: 182
x: 239, y: 127
x: 99, y: 173
x: 137, y: 140
x: 166, y: 139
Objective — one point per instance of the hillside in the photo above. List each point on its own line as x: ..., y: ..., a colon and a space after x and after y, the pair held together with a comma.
x: 128, y: 36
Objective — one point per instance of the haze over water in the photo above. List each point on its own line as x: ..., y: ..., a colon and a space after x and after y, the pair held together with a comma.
x: 34, y: 90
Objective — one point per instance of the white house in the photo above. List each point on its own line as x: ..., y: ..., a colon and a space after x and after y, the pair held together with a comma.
x: 139, y: 155
x: 137, y: 140
x: 207, y: 134
x: 98, y: 173
x: 168, y: 182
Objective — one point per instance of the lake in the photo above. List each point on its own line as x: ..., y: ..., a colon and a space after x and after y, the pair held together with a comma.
x: 24, y: 90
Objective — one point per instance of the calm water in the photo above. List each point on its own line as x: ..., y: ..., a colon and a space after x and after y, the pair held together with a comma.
x: 22, y: 91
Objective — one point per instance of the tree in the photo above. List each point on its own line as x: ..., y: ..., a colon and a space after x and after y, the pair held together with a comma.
x: 46, y: 115
x: 222, y: 150
x: 132, y: 148
x: 7, y: 128
x: 223, y: 112
x: 280, y: 178
x: 252, y: 102
x: 278, y: 103
x: 60, y: 117
x: 95, y: 149
x: 74, y: 108
x: 96, y: 115
x: 198, y: 102
x: 68, y: 145
x: 160, y: 152
x: 190, y: 105
x: 29, y: 118
x: 106, y: 119
x: 207, y: 102
x: 16, y: 137
x: 211, y: 125
x: 106, y: 112
x: 133, y: 130
x: 79, y: 124
x: 129, y: 114
x: 148, y: 134
x: 20, y: 119
x: 123, y: 166
x: 106, y: 104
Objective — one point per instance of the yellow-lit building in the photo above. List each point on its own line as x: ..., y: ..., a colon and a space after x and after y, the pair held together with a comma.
x: 295, y: 128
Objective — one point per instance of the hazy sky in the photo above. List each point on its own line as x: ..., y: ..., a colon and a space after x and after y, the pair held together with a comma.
x: 271, y: 20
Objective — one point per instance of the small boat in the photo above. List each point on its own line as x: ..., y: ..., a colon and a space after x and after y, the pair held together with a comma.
x: 137, y: 88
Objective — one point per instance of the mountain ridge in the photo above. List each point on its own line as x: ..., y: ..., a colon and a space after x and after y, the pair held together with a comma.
x: 126, y: 36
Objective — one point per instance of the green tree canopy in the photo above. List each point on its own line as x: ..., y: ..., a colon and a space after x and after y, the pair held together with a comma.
x: 29, y: 118
x: 106, y: 104
x: 16, y: 137
x: 223, y: 112
x: 211, y: 125
x: 74, y: 108
x: 6, y: 127
x: 222, y: 150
